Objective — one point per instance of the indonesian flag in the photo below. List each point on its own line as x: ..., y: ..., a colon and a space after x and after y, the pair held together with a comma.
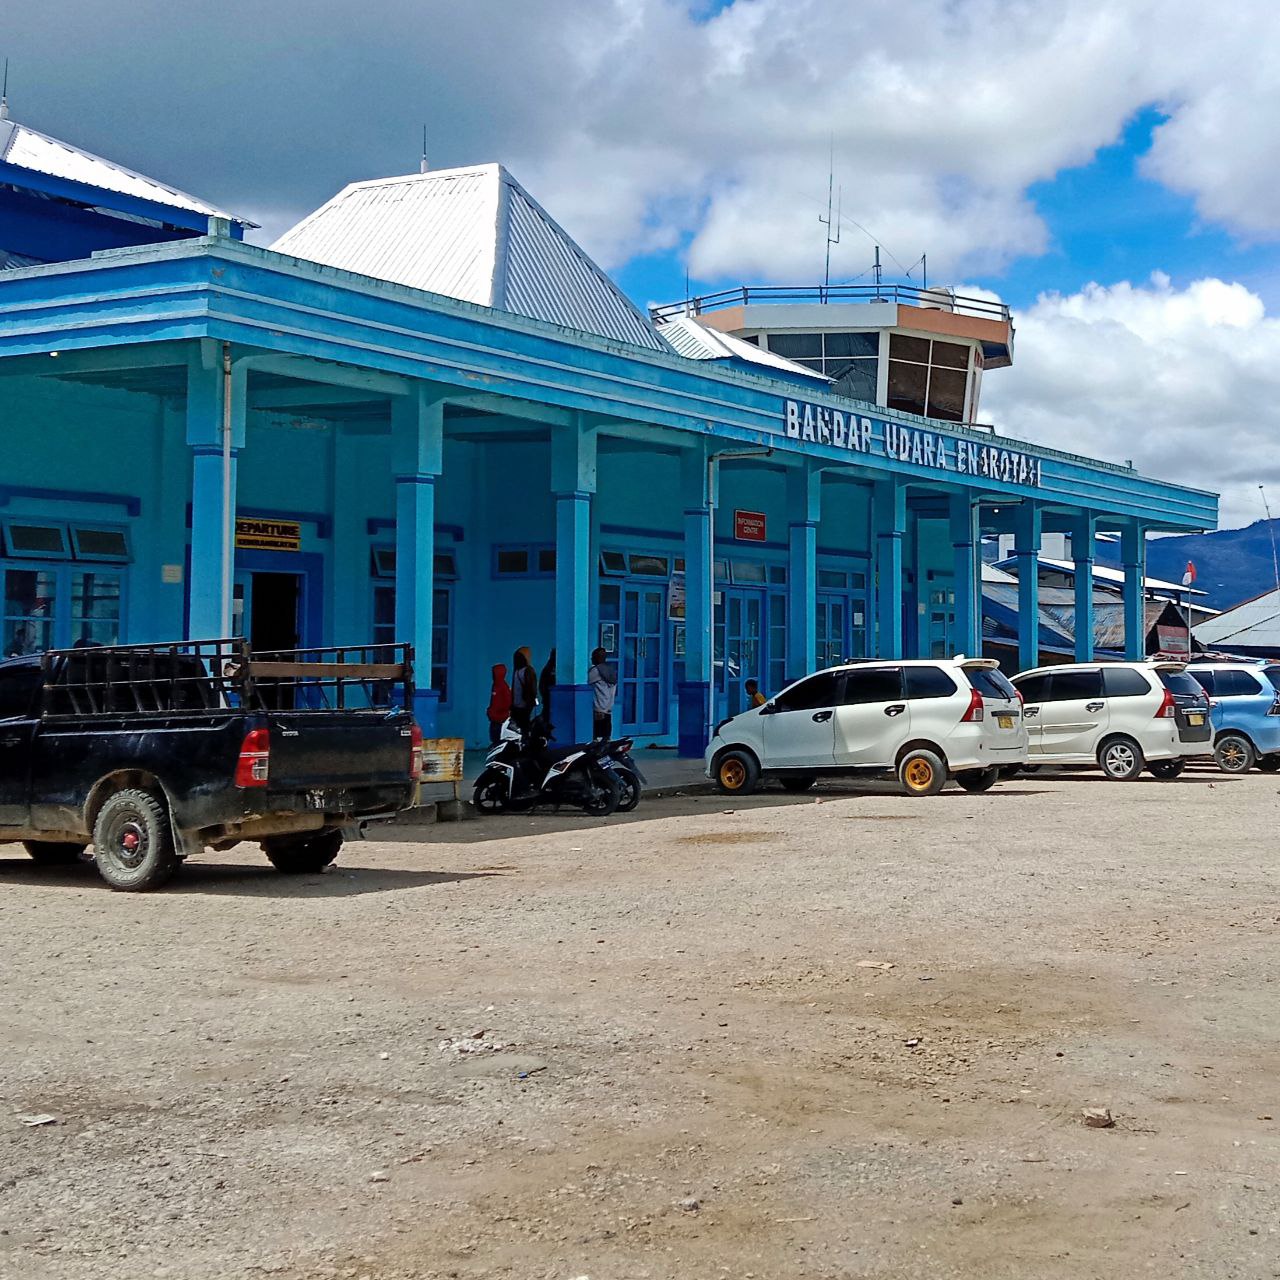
x: 1190, y: 575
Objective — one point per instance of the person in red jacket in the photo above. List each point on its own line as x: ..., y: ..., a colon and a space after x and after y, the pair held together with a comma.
x: 499, y: 701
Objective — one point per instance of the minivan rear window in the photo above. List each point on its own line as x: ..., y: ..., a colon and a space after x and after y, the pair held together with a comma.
x: 1180, y: 684
x: 991, y: 683
x: 1273, y: 675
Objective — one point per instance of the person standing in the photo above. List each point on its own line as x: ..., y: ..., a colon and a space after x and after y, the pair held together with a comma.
x: 524, y: 688
x: 603, y: 679
x: 499, y: 701
x: 547, y: 682
x: 754, y: 697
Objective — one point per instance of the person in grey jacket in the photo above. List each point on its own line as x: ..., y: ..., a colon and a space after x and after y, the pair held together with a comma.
x: 603, y: 679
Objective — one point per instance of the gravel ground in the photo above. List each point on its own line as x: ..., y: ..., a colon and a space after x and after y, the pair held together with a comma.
x: 781, y: 1038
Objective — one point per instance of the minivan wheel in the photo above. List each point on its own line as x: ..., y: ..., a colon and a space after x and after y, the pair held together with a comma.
x: 1121, y: 759
x: 922, y: 773
x: 737, y: 773
x: 1269, y: 763
x: 1166, y: 768
x: 978, y: 779
x: 1234, y: 753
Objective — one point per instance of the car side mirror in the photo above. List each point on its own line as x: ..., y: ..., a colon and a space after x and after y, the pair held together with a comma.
x: 769, y: 709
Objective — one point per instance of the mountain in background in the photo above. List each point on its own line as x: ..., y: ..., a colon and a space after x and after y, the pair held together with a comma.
x: 1231, y: 565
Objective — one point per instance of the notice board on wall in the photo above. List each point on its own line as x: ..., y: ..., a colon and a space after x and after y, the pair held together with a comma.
x: 253, y: 534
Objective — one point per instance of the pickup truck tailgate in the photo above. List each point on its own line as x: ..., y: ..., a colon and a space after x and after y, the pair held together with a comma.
x: 337, y: 749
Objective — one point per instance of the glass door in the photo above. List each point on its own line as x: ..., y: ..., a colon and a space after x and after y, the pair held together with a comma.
x: 640, y: 679
x: 739, y: 648
x: 832, y: 631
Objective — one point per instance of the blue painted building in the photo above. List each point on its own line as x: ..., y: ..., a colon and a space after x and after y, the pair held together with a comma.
x: 425, y: 414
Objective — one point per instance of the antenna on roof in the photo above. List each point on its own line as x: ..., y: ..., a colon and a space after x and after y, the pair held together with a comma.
x: 422, y: 164
x: 4, y: 93
x: 828, y: 221
x: 1275, y: 562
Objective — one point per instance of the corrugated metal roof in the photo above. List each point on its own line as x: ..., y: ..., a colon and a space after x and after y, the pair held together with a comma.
x: 28, y: 148
x: 687, y: 336
x: 474, y: 234
x: 1254, y: 624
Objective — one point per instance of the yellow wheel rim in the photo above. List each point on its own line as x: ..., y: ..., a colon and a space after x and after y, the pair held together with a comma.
x: 919, y: 775
x: 733, y: 773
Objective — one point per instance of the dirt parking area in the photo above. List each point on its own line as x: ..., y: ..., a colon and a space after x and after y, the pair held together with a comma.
x: 848, y: 1034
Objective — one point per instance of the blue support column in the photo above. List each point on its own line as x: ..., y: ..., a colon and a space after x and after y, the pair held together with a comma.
x: 804, y: 507
x: 417, y: 428
x: 573, y: 481
x: 206, y: 401
x: 889, y: 508
x: 1133, y: 552
x: 1082, y: 532
x: 968, y: 579
x: 1026, y: 548
x: 693, y: 696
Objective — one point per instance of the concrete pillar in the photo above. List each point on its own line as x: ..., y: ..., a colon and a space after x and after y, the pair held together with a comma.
x: 573, y: 482
x: 968, y: 576
x: 804, y: 507
x: 417, y: 434
x: 889, y: 507
x: 1028, y: 525
x: 1082, y: 531
x: 1133, y: 554
x: 694, y: 694
x: 208, y: 582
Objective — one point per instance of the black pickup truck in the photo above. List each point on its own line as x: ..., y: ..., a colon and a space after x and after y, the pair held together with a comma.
x: 154, y: 753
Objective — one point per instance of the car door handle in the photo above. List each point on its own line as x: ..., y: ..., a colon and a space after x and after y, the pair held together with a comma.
x: 820, y: 716
x: 1028, y: 712
x: 1094, y: 706
x: 9, y: 742
x: 896, y: 710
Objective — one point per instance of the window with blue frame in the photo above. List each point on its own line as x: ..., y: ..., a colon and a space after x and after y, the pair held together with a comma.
x: 524, y: 560
x: 383, y: 568
x: 63, y: 584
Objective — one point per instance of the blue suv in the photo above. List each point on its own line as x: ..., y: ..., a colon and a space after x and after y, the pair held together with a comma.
x: 1244, y: 701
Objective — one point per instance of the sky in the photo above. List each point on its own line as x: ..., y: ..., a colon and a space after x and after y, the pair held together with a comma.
x: 1107, y: 167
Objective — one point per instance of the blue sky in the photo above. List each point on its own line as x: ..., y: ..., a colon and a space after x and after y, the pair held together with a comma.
x: 1107, y: 223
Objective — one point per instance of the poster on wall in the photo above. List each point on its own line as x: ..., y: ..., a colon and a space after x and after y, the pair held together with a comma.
x: 675, y: 598
x: 749, y: 526
x: 609, y: 637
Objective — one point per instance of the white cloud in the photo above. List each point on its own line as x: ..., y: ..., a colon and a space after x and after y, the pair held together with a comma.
x: 1185, y: 382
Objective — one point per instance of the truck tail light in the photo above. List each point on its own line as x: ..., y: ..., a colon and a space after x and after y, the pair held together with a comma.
x: 415, y: 753
x: 1168, y: 707
x: 253, y: 766
x: 976, y: 710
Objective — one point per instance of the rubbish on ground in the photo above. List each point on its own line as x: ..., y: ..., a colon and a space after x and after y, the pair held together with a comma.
x: 689, y: 1204
x: 473, y: 1043
x: 915, y: 1040
x: 1098, y: 1117
x: 379, y: 1176
x: 875, y: 964
x: 33, y: 1122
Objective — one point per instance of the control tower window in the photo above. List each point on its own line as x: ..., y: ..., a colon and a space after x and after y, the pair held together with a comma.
x: 927, y: 377
x: 850, y: 360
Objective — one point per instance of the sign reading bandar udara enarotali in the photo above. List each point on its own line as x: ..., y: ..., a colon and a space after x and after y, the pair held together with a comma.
x: 817, y: 424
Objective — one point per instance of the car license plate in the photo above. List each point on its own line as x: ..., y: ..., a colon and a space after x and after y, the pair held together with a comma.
x: 1005, y: 722
x: 1195, y: 717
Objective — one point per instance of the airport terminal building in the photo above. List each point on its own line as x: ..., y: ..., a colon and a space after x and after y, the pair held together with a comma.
x: 425, y: 415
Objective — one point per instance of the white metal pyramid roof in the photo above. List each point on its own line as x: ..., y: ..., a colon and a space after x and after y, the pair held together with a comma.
x: 28, y: 148
x: 689, y: 337
x: 473, y: 234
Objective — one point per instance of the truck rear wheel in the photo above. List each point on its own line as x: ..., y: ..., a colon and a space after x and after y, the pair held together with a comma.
x: 133, y: 845
x: 53, y: 853
x: 302, y: 855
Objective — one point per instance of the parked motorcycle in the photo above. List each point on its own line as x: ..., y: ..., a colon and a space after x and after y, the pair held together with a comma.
x: 522, y: 771
x: 617, y: 757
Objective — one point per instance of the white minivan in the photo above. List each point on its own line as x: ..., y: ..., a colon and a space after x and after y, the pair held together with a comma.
x: 1121, y: 716
x: 925, y: 721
